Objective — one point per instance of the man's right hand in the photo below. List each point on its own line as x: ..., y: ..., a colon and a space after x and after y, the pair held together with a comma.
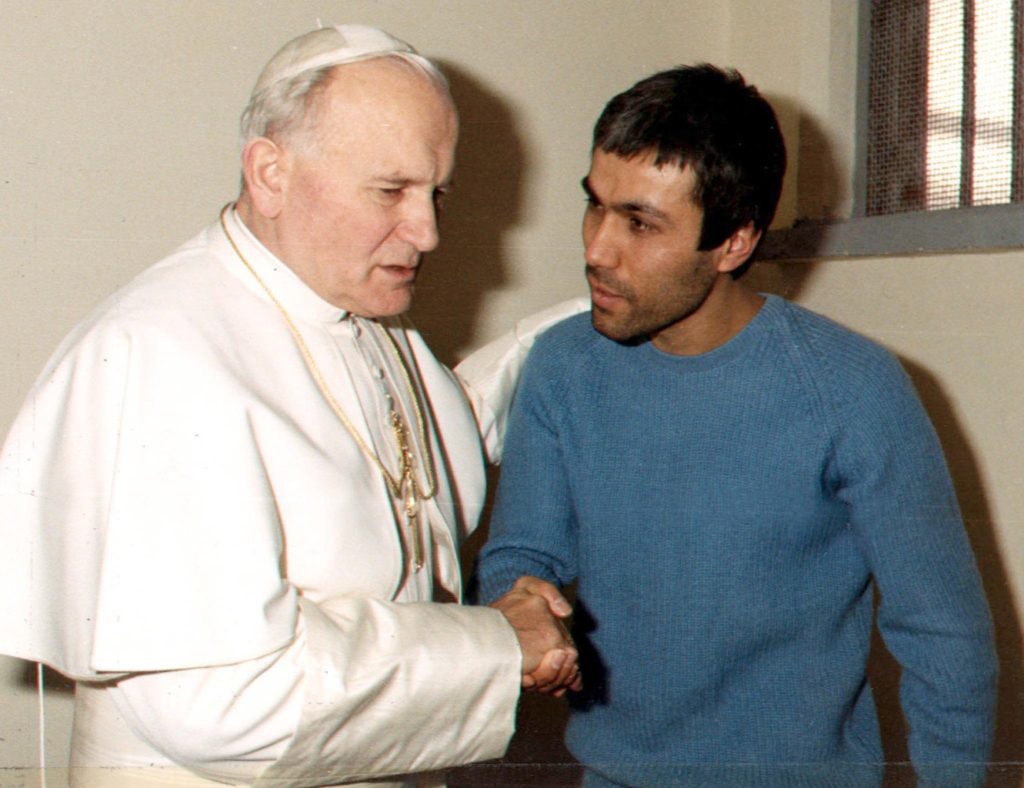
x: 535, y: 609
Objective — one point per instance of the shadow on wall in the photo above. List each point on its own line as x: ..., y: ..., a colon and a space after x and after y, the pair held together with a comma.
x: 484, y: 203
x: 819, y: 189
x: 884, y: 671
x: 53, y: 682
x: 820, y: 186
x: 1006, y: 766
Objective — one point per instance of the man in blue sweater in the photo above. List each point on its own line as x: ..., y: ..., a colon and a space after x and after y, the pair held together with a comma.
x: 728, y: 476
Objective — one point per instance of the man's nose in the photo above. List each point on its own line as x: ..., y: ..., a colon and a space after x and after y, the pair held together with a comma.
x: 599, y: 246
x: 419, y: 227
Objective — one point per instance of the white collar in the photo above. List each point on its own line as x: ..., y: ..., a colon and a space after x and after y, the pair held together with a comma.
x: 295, y: 296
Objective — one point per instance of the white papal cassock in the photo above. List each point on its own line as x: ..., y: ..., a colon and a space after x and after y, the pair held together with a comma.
x: 189, y: 531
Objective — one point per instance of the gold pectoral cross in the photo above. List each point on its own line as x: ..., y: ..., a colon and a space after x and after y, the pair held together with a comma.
x: 404, y: 486
x: 407, y: 490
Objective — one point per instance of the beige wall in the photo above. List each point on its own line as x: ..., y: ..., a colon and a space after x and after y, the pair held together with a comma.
x: 117, y: 123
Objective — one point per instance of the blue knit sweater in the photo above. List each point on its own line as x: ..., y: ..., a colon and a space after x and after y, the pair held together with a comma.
x: 724, y: 515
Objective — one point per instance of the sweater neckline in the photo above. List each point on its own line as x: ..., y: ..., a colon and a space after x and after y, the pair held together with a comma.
x: 742, y: 343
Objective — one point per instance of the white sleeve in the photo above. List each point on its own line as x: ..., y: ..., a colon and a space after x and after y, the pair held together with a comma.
x: 367, y: 689
x: 489, y: 375
x: 225, y: 722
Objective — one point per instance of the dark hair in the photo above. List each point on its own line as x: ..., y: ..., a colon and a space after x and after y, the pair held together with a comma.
x: 712, y: 120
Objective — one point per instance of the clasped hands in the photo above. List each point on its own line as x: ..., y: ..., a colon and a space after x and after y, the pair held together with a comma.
x: 535, y: 608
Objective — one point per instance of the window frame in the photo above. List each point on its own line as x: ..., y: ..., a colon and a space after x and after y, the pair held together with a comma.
x: 972, y: 229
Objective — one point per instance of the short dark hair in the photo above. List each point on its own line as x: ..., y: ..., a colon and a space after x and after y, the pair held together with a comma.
x: 710, y: 119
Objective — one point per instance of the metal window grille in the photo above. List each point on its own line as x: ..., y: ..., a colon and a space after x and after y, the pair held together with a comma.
x: 944, y: 105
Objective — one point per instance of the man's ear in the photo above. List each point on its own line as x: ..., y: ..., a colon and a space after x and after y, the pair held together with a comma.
x: 264, y: 172
x: 738, y: 247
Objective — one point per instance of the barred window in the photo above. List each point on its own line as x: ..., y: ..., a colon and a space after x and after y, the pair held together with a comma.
x: 944, y: 115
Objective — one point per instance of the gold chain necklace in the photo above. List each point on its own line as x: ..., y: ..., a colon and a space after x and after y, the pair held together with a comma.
x: 404, y: 486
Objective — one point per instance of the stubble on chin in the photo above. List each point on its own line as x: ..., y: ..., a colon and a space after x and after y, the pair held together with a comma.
x: 620, y: 329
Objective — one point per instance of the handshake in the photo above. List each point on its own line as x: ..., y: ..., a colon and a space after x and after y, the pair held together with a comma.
x: 536, y: 609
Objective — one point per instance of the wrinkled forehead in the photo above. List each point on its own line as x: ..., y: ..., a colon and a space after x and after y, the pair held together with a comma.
x: 385, y: 91
x: 379, y: 115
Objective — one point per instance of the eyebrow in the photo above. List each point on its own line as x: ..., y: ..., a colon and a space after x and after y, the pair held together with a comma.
x: 628, y: 206
x: 394, y: 180
x: 399, y: 181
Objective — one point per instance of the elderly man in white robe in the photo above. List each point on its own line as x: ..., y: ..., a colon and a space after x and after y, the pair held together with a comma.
x: 231, y: 498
